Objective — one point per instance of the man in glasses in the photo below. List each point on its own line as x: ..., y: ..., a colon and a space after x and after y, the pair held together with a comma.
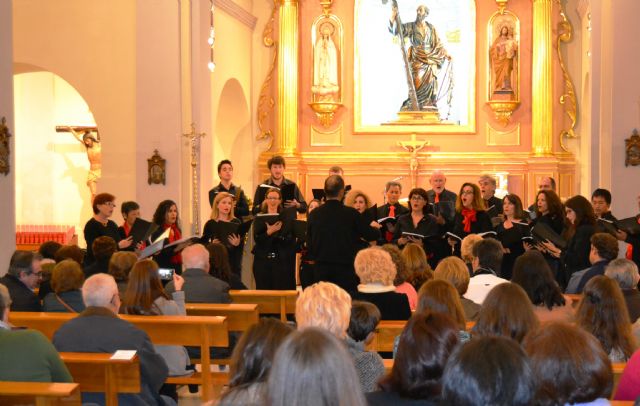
x: 22, y: 278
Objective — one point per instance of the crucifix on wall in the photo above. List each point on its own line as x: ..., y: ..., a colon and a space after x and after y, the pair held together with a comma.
x: 413, y: 147
x: 90, y: 138
x: 194, y: 139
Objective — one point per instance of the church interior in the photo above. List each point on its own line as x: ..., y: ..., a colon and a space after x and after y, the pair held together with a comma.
x: 521, y: 90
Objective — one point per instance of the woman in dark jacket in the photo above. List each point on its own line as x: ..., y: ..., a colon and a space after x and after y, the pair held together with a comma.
x: 166, y: 217
x: 471, y: 215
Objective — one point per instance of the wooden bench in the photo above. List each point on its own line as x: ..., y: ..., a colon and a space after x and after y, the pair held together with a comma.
x: 280, y: 302
x: 240, y: 317
x: 388, y: 330
x: 200, y: 331
x: 43, y: 393
x: 97, y: 372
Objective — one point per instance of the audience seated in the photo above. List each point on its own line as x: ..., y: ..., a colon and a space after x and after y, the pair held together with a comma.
x: 603, y: 313
x: 102, y: 247
x: 326, y: 306
x: 402, y: 275
x: 625, y: 272
x: 47, y: 251
x: 454, y: 270
x: 440, y: 296
x: 569, y: 365
x: 466, y: 250
x: 531, y: 271
x: 604, y: 248
x: 219, y: 266
x: 145, y: 296
x: 425, y: 345
x: 66, y: 281
x: 99, y: 329
x: 251, y: 362
x: 21, y: 279
x: 27, y: 355
x: 312, y: 368
x: 120, y: 265
x: 507, y: 312
x: 376, y: 271
x: 415, y: 260
x: 487, y: 256
x: 199, y: 286
x: 70, y: 252
x: 488, y: 371
x: 362, y: 325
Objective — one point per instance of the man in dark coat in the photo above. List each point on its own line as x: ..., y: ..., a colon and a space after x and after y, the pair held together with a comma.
x: 23, y: 276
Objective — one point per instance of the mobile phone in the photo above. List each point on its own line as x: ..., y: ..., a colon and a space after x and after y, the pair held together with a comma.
x: 166, y: 274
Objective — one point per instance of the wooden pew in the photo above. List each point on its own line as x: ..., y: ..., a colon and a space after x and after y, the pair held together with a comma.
x: 281, y: 302
x: 97, y: 372
x: 388, y: 330
x: 239, y: 316
x: 44, y: 393
x: 199, y: 331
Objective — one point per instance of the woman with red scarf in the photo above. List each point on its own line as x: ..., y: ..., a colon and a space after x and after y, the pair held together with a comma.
x: 166, y: 216
x: 471, y: 215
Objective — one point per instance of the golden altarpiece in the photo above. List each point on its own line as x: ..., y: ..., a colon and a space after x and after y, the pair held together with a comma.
x: 501, y: 100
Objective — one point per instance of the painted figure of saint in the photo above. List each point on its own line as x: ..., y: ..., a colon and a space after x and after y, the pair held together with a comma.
x: 325, y: 65
x: 425, y: 57
x: 503, y: 55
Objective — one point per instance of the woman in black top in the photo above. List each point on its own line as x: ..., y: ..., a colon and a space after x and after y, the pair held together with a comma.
x: 274, y: 253
x: 575, y: 257
x: 100, y: 225
x: 549, y: 210
x: 222, y: 211
x: 166, y: 217
x: 471, y: 215
x: 418, y: 222
x: 510, y: 233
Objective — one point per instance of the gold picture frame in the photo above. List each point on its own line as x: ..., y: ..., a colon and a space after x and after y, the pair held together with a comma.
x: 157, y: 173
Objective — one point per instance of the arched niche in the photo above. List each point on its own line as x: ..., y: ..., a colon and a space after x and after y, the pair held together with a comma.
x: 51, y: 167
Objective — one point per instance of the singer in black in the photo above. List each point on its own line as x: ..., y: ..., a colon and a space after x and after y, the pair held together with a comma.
x: 393, y: 208
x: 510, y: 233
x: 276, y: 166
x: 418, y: 223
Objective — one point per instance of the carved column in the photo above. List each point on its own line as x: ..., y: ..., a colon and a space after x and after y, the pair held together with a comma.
x: 542, y: 79
x: 287, y: 138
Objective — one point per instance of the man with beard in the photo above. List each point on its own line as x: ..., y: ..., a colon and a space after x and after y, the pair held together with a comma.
x: 426, y: 54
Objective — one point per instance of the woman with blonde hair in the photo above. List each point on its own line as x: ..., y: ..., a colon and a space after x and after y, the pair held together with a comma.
x: 376, y: 271
x: 603, y: 313
x: 326, y: 306
x: 415, y: 260
x: 453, y: 270
x: 222, y: 212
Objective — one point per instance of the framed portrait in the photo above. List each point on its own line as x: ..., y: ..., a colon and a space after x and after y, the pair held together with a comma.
x: 436, y: 70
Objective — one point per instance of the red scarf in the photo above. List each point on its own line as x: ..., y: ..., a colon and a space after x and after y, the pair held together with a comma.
x: 126, y: 229
x: 174, y: 235
x: 469, y: 217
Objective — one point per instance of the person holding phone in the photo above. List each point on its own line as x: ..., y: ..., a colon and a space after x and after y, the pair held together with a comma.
x: 145, y: 296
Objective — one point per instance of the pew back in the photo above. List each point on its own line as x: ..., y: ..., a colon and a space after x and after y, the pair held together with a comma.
x: 40, y: 393
x: 282, y: 302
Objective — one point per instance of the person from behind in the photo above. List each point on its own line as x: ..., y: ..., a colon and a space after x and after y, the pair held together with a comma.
x: 625, y: 272
x: 251, y: 362
x: 313, y: 368
x: 487, y: 258
x: 570, y: 366
x: 488, y: 371
x: 415, y: 260
x: 453, y: 270
x: 604, y: 248
x: 66, y: 281
x: 120, y: 265
x: 506, y: 312
x: 199, y: 286
x: 425, y: 345
x: 531, y: 272
x: 603, y: 313
x: 326, y: 306
x: 440, y: 296
x: 362, y: 325
x: 402, y: 275
x: 47, y: 251
x: 22, y: 278
x: 376, y: 271
x: 70, y: 252
x: 629, y: 384
x: 466, y: 250
x: 27, y: 355
x: 219, y: 266
x: 99, y: 329
x: 103, y: 248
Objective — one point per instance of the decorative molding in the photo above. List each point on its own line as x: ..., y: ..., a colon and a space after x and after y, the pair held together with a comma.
x: 237, y: 12
x: 497, y: 138
x: 266, y: 103
x: 568, y: 100
x: 542, y: 79
x: 326, y: 138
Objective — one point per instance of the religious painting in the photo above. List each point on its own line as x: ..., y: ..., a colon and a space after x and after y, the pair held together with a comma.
x: 632, y: 149
x: 504, y: 57
x: 414, y: 66
x: 5, y: 157
x: 157, y: 169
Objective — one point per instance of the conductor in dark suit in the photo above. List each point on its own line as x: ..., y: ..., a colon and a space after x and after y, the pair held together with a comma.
x: 333, y: 235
